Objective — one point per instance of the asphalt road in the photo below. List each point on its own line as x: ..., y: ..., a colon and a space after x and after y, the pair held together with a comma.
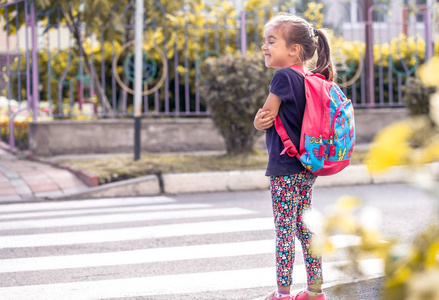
x: 192, y: 246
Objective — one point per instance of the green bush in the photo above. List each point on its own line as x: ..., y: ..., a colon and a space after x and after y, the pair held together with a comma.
x: 417, y: 97
x: 235, y: 87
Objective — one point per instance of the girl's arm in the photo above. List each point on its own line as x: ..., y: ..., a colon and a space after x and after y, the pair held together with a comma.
x: 265, y: 117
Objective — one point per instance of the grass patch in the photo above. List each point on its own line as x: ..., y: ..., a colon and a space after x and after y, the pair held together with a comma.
x: 111, y: 169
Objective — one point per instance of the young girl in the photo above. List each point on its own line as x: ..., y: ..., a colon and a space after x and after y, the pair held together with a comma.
x: 290, y: 40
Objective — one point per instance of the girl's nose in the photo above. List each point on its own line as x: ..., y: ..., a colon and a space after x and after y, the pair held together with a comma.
x: 263, y: 46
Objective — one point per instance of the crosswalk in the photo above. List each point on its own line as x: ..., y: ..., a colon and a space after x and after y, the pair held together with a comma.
x: 144, y: 248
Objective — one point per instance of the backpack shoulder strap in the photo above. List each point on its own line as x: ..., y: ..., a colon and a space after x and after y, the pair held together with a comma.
x: 290, y: 149
x: 302, y: 72
x: 299, y: 70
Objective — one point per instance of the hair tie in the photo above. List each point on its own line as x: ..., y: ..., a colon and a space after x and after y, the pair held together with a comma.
x: 316, y: 32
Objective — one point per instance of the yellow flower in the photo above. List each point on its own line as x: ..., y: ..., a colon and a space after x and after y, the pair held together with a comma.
x: 432, y: 255
x: 4, y: 119
x: 428, y: 72
x: 347, y: 204
x: 347, y: 224
x: 400, y: 275
x: 313, y: 14
x: 390, y: 147
x: 371, y: 240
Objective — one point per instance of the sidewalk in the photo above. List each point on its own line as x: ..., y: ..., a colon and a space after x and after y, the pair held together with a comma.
x: 25, y: 180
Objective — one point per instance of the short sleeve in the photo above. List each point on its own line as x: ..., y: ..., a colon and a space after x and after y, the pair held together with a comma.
x: 282, y: 86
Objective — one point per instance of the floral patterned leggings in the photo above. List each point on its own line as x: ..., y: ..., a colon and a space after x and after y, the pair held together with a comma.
x: 291, y: 196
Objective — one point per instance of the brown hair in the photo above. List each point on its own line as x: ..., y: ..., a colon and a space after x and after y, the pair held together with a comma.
x: 297, y: 30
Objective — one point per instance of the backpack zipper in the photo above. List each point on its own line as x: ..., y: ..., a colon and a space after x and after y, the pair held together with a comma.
x: 331, y: 133
x: 321, y: 123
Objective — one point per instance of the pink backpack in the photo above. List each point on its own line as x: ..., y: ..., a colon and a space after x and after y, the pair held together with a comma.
x: 328, y: 128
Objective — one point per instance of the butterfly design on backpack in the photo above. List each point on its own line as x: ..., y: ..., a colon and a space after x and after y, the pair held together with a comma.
x: 341, y: 121
x: 344, y: 137
x: 317, y: 153
x: 351, y: 133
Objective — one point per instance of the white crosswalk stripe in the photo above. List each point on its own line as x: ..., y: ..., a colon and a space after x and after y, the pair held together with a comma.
x: 101, y: 210
x: 74, y: 221
x: 159, y: 285
x: 44, y: 206
x: 152, y: 255
x: 120, y: 218
x: 136, y: 233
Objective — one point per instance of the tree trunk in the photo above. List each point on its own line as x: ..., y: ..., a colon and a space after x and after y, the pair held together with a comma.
x: 74, y: 29
x: 100, y: 93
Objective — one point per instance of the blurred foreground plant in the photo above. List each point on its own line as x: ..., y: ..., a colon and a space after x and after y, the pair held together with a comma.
x: 413, y: 142
x: 410, y: 273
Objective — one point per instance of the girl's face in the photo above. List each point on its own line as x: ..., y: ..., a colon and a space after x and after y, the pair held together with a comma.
x: 276, y: 52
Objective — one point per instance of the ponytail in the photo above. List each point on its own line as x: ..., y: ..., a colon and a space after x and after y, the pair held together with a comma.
x: 324, y: 64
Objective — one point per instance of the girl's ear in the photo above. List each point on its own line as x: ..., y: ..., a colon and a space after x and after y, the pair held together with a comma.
x: 295, y: 50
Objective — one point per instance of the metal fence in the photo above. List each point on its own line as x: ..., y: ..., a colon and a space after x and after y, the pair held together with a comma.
x: 47, y: 66
x: 19, y: 69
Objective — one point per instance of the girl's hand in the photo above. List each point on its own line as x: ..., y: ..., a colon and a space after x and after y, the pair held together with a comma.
x: 263, y: 120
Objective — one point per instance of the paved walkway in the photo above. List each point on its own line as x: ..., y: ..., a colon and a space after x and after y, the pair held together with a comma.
x: 22, y: 179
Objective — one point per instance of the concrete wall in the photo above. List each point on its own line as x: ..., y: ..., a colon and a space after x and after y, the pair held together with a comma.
x: 117, y: 136
x: 162, y: 135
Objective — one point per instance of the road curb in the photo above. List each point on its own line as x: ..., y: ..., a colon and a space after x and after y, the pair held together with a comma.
x: 88, y: 178
x: 352, y: 175
x: 206, y: 182
x: 215, y: 182
x: 141, y: 186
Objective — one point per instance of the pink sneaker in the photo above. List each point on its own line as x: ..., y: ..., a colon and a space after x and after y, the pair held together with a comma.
x: 272, y: 296
x: 303, y: 295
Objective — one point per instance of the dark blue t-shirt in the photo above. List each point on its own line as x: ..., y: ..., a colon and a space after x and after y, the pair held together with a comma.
x: 289, y: 86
